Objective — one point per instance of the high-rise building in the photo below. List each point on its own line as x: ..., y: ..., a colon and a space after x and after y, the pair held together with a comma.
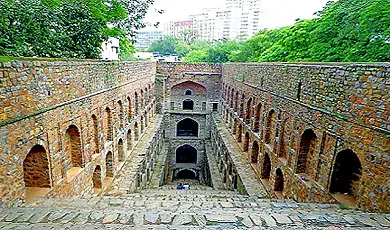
x: 238, y: 20
x: 145, y: 38
x: 174, y: 28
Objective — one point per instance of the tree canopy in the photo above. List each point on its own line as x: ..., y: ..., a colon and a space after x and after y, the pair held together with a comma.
x: 67, y: 28
x: 344, y: 31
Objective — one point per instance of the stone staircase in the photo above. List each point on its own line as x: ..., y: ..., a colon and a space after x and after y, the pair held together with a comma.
x: 158, y: 171
x: 201, y: 207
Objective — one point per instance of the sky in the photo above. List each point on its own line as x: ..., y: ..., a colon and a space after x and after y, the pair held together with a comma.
x: 275, y: 13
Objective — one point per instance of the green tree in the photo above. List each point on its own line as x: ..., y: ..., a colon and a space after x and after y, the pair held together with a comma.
x: 345, y: 31
x: 196, y: 56
x: 221, y: 51
x: 169, y: 46
x: 66, y: 28
x: 29, y: 28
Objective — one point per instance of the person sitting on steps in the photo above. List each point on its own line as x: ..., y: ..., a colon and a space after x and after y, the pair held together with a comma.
x: 180, y: 187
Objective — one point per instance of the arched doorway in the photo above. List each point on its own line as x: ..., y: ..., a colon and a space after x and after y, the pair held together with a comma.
x: 266, y: 171
x: 129, y: 112
x: 186, y: 174
x: 239, y: 133
x: 248, y: 115
x: 246, y: 142
x: 95, y: 133
x: 136, y: 102
x: 257, y: 118
x: 186, y: 154
x: 187, y: 127
x: 255, y: 152
x: 235, y: 124
x: 306, y: 146
x: 108, y: 124
x: 270, y: 127
x: 97, y: 177
x: 120, y: 106
x: 36, y: 173
x: 73, y: 147
x: 346, y: 173
x: 121, y: 152
x: 279, y: 181
x: 109, y: 165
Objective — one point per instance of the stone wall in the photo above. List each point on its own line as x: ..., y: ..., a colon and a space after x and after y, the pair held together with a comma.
x: 342, y: 107
x: 355, y: 92
x: 41, y: 100
x: 200, y: 85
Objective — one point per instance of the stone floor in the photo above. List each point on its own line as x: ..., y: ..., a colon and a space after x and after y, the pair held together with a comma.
x: 200, y: 207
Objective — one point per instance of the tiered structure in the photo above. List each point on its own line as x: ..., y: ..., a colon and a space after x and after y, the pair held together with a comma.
x: 315, y: 133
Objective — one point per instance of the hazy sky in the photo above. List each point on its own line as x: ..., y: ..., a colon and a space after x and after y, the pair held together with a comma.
x: 275, y: 13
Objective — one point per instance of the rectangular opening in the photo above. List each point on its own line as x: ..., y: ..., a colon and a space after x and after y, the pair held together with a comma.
x: 215, y: 106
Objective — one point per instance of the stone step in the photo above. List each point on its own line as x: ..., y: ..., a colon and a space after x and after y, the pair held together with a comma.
x: 187, y: 216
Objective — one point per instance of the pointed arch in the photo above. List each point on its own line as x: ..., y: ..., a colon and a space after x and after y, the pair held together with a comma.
x: 257, y: 118
x: 121, y: 151
x: 182, y: 88
x: 239, y: 133
x: 282, y: 139
x: 255, y: 152
x: 109, y: 134
x: 270, y: 127
x: 279, y: 181
x: 97, y: 177
x: 95, y: 133
x: 186, y: 154
x: 109, y: 165
x: 306, y: 148
x: 246, y: 142
x: 236, y: 102
x: 120, y: 107
x: 346, y: 173
x: 129, y: 112
x: 266, y: 170
x: 36, y: 168
x: 136, y: 102
x: 187, y: 127
x: 242, y: 105
x: 248, y: 115
x: 73, y: 147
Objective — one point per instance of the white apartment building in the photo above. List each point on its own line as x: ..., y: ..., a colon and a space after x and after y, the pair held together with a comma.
x: 239, y: 19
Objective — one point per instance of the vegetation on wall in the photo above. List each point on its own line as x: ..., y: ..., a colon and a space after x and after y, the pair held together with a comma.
x: 67, y: 28
x: 344, y: 31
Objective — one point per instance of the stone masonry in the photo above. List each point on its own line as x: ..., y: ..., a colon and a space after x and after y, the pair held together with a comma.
x: 87, y: 132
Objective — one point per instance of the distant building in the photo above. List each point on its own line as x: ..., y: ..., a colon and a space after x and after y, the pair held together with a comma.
x: 145, y: 38
x: 174, y: 28
x: 110, y: 49
x: 238, y: 20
